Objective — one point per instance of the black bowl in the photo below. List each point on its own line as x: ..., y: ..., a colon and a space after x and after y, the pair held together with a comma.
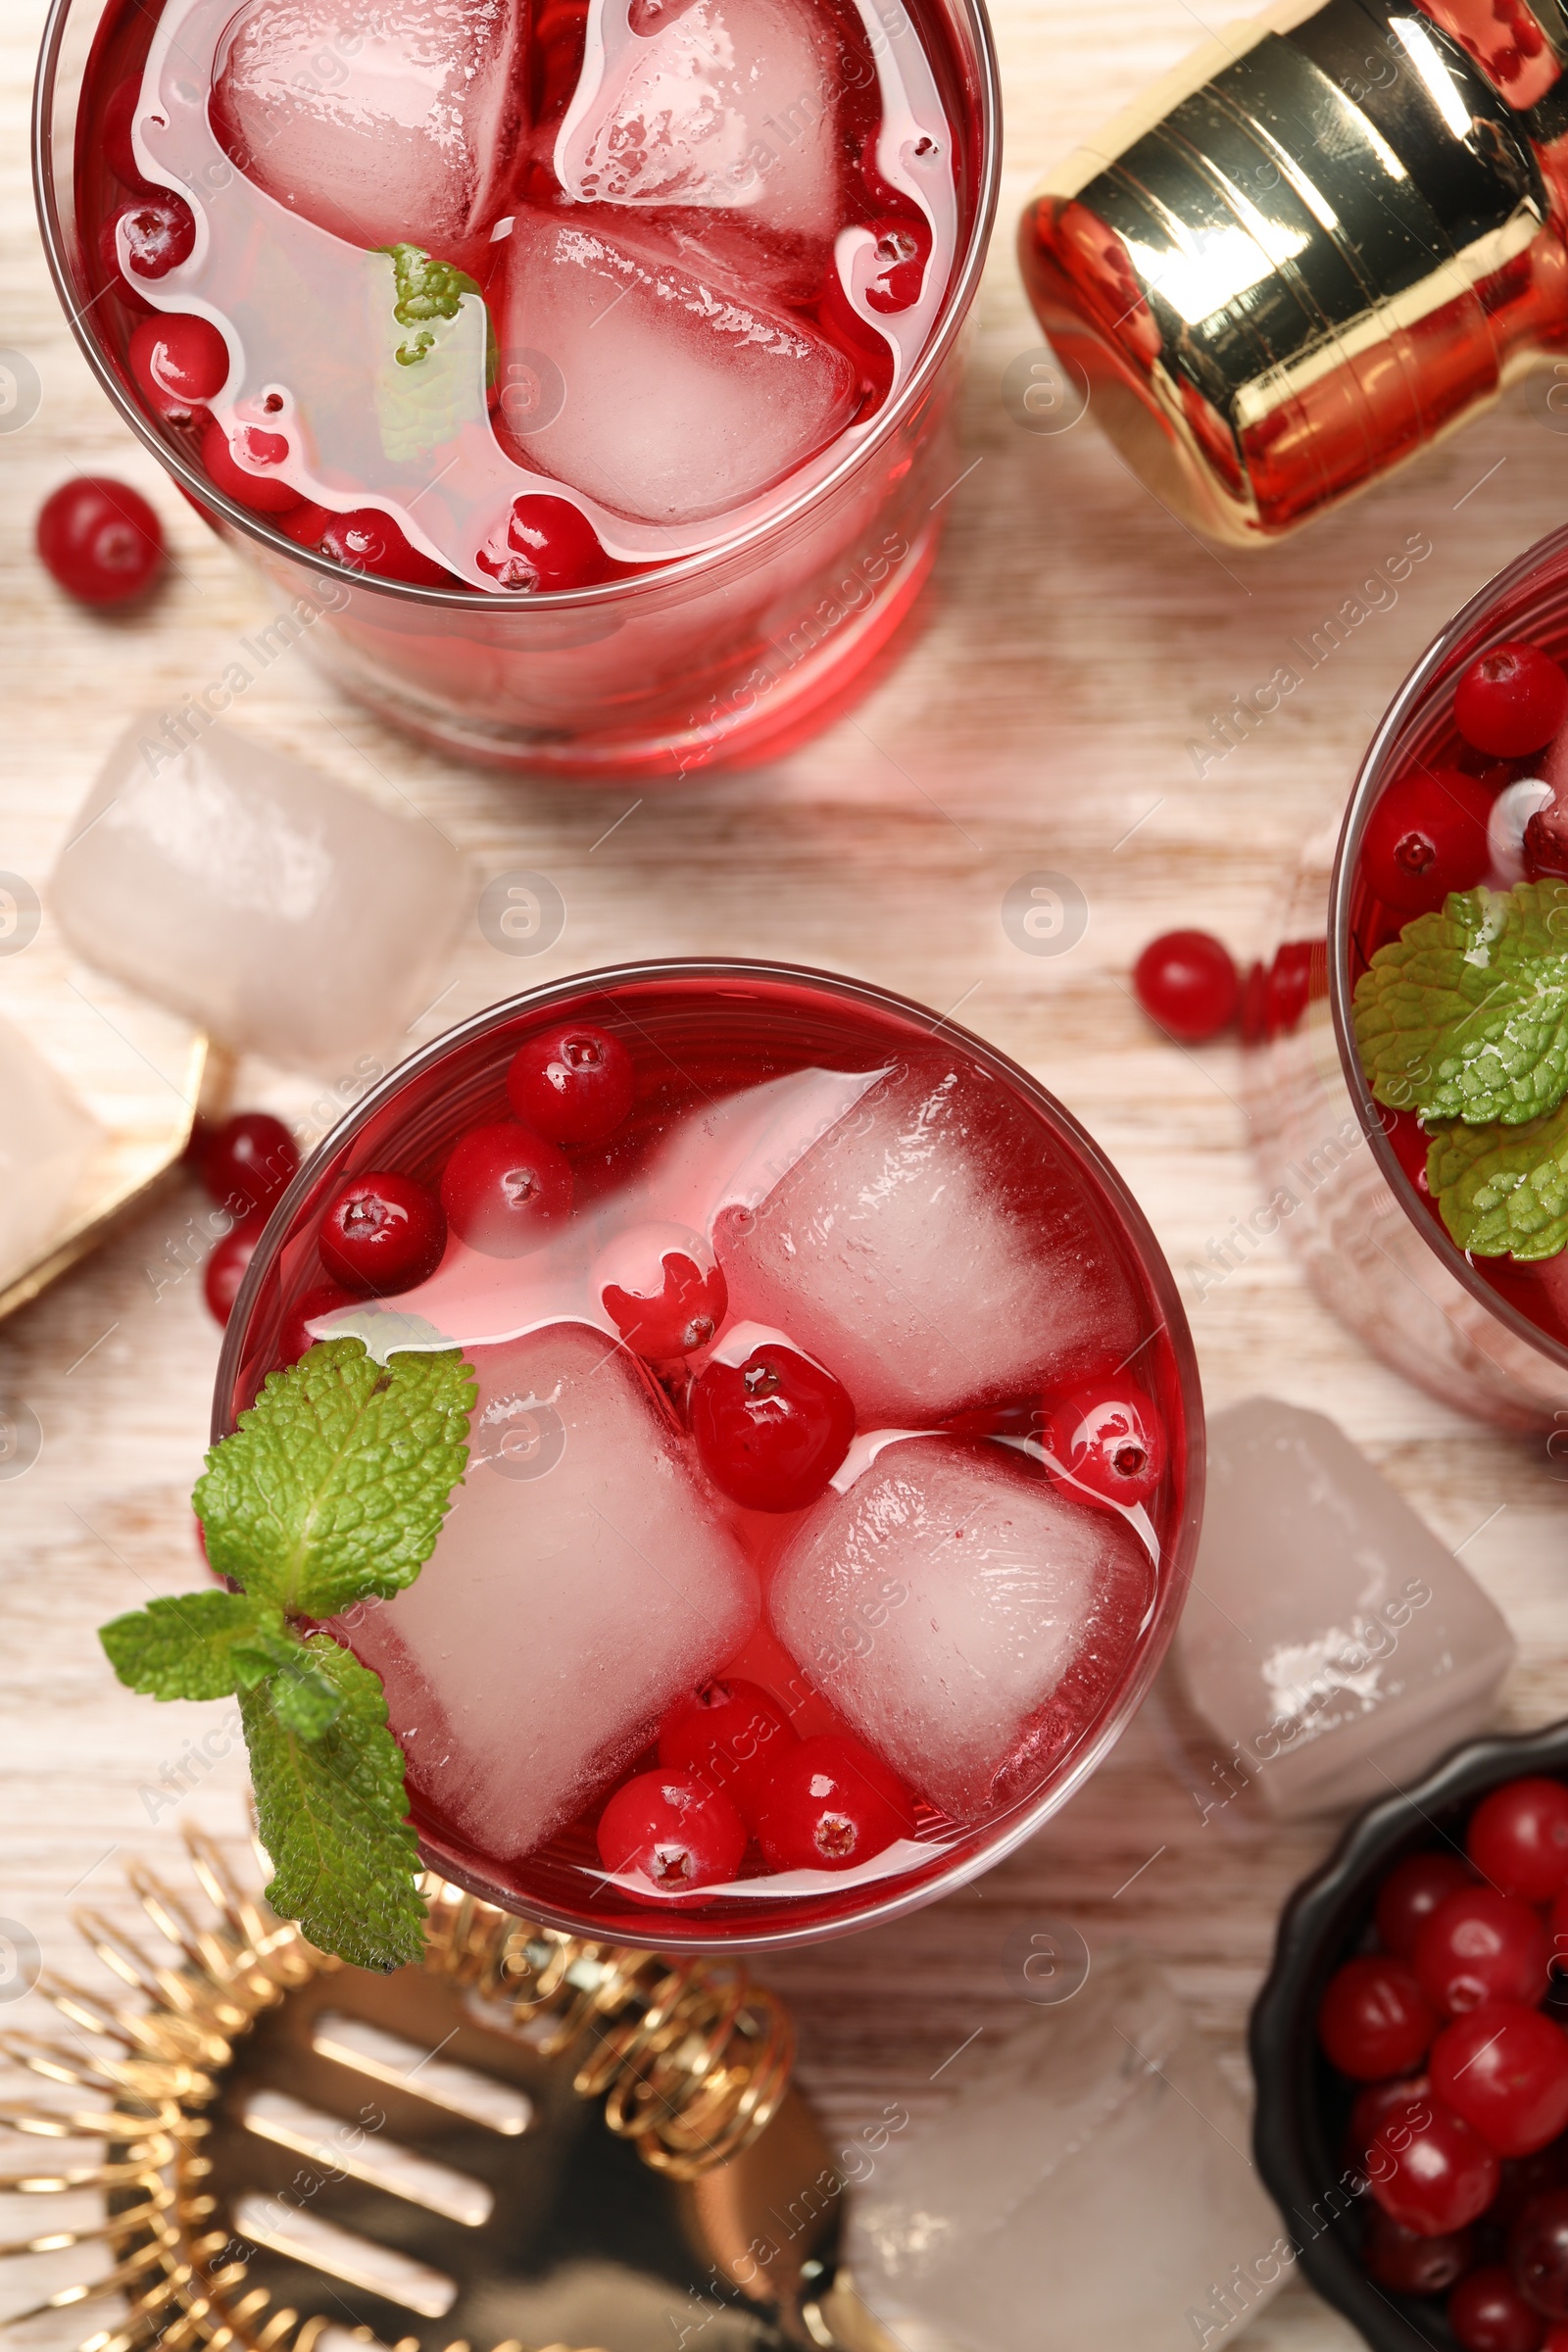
x: 1302, y: 2105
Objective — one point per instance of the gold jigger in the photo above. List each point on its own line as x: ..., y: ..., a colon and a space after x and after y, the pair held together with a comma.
x: 1329, y: 237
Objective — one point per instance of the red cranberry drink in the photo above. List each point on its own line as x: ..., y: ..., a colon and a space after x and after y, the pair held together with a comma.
x: 509, y: 302
x: 833, y: 1480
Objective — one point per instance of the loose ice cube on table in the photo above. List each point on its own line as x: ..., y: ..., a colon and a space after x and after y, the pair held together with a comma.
x: 390, y: 125
x: 582, y: 1583
x: 1329, y: 1639
x: 935, y: 1253
x: 963, y: 1614
x: 281, y: 911
x: 1087, y: 2184
x: 689, y: 399
x: 47, y: 1140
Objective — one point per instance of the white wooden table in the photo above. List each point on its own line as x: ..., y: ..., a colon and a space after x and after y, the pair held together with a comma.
x: 1076, y: 640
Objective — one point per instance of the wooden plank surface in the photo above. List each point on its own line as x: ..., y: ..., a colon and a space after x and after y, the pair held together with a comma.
x: 1075, y: 642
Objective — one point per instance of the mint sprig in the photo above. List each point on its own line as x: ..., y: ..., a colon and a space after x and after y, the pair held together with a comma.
x: 426, y: 290
x: 1465, y: 1014
x: 1503, y: 1190
x: 331, y: 1490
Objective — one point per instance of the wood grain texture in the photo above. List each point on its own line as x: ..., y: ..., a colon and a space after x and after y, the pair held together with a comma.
x: 1075, y: 640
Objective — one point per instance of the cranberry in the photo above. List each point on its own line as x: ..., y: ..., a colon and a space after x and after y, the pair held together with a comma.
x: 1480, y: 1945
x: 258, y: 493
x: 549, y: 544
x: 100, y: 540
x: 731, y: 1733
x: 1518, y: 1838
x: 381, y: 1233
x: 504, y: 1189
x: 1110, y: 1439
x: 1375, y: 2105
x: 1408, y: 2263
x: 114, y: 131
x: 663, y: 1290
x: 674, y: 1829
x: 225, y: 1267
x: 1374, y: 2020
x: 249, y: 1162
x: 1411, y: 1892
x: 365, y: 540
x: 770, y: 1432
x: 901, y: 250
x: 1504, y: 2068
x: 295, y: 1340
x: 1527, y: 2177
x: 1511, y: 701
x: 1426, y: 836
x: 1488, y: 2314
x: 1434, y: 2174
x: 1545, y: 843
x: 829, y: 1803
x: 159, y: 233
x: 1538, y: 2253
x: 1186, y: 982
x: 180, y: 361
x: 576, y: 1084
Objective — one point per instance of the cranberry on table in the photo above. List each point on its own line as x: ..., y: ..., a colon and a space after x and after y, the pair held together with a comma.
x: 574, y: 1085
x: 249, y: 1162
x: 1426, y: 836
x: 1518, y: 1838
x: 1480, y: 1945
x: 180, y: 361
x: 1110, y: 1436
x: 1538, y: 2253
x: 158, y: 230
x: 381, y: 1233
x: 1511, y: 701
x: 673, y: 1828
x: 366, y: 540
x: 505, y: 1189
x: 663, y: 1290
x: 1187, y: 982
x: 258, y: 493
x: 1434, y: 2173
x: 100, y: 540
x: 1488, y: 2314
x: 1408, y: 2263
x: 829, y: 1803
x: 226, y: 1269
x: 1411, y: 1892
x: 770, y: 1432
x: 1504, y: 2068
x: 732, y: 1733
x: 1374, y: 2020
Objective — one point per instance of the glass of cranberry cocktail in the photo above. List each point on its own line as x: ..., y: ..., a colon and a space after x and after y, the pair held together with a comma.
x: 836, y: 1468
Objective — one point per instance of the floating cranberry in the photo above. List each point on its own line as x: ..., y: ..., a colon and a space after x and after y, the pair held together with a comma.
x: 1187, y: 983
x: 673, y: 1828
x: 366, y: 540
x: 382, y: 1233
x: 1511, y: 701
x: 1374, y: 2020
x: 770, y: 1432
x: 1426, y: 836
x: 663, y: 1290
x: 1110, y: 1439
x: 549, y: 544
x: 574, y: 1085
x: 505, y: 1189
x: 249, y: 1162
x: 1480, y: 1945
x: 115, y: 131
x: 1545, y: 843
x: 180, y: 361
x: 733, y: 1733
x: 225, y: 1270
x: 828, y: 1805
x: 158, y: 232
x: 1488, y: 2314
x: 1518, y: 1838
x: 295, y: 1339
x: 1504, y: 2068
x: 1408, y: 2263
x: 100, y: 540
x: 1411, y: 1892
x: 258, y: 493
x: 902, y: 248
x: 1434, y: 2174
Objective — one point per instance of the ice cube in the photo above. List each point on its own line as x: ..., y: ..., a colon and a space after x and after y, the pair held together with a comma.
x: 1329, y: 1640
x: 965, y: 1615
x: 47, y: 1140
x: 1089, y: 2183
x: 582, y: 1583
x: 936, y: 1251
x: 391, y: 124
x: 689, y: 399
x: 282, y: 913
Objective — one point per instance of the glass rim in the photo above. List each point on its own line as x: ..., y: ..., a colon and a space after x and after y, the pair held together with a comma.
x: 957, y: 305
x: 1022, y: 1819
x: 1370, y: 777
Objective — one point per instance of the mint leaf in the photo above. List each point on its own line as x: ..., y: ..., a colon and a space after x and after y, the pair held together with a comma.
x: 187, y: 1647
x: 426, y: 289
x: 1504, y: 1190
x: 336, y: 1483
x: 330, y: 1812
x: 1465, y: 1014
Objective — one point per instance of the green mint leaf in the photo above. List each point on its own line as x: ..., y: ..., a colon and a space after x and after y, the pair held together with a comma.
x: 188, y: 1647
x: 333, y: 1487
x: 304, y: 1700
x: 1504, y: 1190
x: 330, y: 1812
x: 1465, y: 1014
x: 426, y: 289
